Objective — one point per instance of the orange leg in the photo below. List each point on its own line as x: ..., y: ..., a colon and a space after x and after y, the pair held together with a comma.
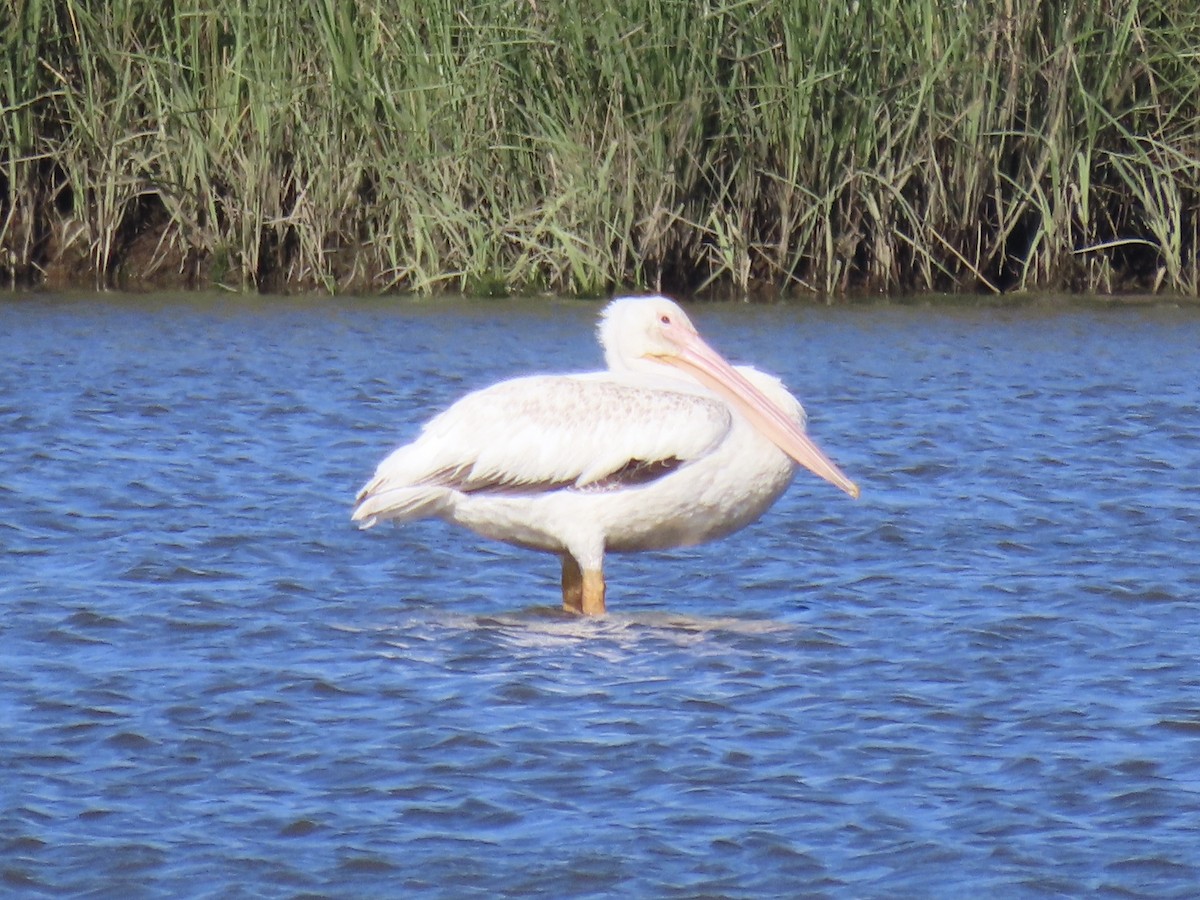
x: 583, y: 592
x: 572, y: 585
x: 593, y: 593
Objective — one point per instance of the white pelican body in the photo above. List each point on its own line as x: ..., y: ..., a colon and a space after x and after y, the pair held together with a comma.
x: 671, y: 446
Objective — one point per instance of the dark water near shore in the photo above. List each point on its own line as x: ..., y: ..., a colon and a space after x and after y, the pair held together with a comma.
x: 983, y: 677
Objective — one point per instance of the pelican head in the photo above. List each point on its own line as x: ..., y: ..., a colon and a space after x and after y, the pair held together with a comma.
x: 642, y: 334
x: 638, y: 332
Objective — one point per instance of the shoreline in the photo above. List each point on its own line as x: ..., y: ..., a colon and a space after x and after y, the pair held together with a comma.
x: 1015, y: 300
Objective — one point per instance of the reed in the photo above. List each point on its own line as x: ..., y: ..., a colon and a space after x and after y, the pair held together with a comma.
x: 831, y: 148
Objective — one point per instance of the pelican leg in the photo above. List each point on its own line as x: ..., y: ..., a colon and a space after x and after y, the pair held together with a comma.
x: 583, y: 591
x: 572, y: 585
x: 593, y: 592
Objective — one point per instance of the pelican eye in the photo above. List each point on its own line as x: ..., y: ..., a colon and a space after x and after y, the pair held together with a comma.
x: 665, y: 319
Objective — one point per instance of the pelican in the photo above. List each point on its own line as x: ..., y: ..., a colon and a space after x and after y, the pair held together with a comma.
x: 669, y: 447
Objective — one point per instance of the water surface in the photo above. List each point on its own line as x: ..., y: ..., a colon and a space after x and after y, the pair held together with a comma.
x: 981, y: 677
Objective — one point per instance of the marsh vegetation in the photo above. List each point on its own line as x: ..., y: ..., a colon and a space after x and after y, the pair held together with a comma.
x: 846, y: 146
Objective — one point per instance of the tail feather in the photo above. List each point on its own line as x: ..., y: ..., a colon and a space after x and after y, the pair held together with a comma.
x: 402, y: 504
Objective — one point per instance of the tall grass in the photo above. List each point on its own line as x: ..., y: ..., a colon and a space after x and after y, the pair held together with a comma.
x: 515, y: 145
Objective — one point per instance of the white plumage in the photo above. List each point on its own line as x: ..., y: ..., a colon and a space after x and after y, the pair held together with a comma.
x: 669, y: 447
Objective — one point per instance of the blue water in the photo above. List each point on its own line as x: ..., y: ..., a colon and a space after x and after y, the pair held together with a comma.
x: 982, y: 677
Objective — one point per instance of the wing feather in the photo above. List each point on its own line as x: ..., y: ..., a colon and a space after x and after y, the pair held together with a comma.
x: 546, y: 432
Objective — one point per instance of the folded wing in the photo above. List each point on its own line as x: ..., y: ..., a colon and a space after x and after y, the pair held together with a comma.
x: 544, y: 433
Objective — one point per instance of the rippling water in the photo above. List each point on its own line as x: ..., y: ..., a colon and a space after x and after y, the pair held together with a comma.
x: 982, y: 677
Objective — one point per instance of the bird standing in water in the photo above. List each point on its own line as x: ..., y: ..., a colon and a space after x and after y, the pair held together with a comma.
x: 669, y: 447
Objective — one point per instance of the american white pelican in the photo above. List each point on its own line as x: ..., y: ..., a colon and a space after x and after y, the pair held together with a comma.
x: 669, y: 447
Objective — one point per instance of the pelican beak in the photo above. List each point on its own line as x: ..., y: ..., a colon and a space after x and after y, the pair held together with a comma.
x: 704, y: 363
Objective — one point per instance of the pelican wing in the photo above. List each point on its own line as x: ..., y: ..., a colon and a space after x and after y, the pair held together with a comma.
x: 547, y: 433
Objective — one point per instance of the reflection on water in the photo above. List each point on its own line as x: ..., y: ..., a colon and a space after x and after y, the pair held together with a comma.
x: 980, y: 677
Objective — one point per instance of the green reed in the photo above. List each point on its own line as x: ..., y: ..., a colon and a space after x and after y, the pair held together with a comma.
x: 522, y: 145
